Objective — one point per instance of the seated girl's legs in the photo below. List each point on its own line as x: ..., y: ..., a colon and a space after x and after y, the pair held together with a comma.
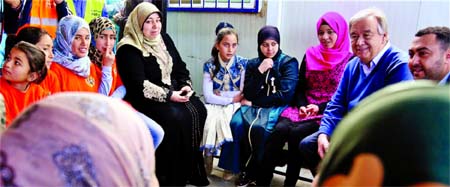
x: 273, y: 151
x: 253, y: 148
x: 297, y: 132
x: 308, y: 151
x: 230, y: 154
x: 252, y: 161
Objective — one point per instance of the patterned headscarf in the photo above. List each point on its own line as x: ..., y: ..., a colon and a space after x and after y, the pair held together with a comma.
x: 134, y: 36
x: 105, y: 144
x: 320, y: 58
x: 67, y: 28
x: 97, y: 26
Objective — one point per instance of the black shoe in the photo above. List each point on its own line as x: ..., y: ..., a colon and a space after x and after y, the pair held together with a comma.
x: 244, y: 181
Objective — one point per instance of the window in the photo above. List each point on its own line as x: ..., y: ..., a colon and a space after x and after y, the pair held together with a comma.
x: 247, y: 6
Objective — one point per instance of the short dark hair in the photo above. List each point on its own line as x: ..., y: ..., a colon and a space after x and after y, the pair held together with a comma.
x: 442, y: 35
x: 28, y: 34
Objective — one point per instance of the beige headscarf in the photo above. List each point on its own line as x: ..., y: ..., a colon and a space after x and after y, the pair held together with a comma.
x: 77, y: 139
x: 134, y: 36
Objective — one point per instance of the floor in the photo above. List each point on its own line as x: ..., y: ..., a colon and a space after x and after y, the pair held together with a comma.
x: 216, y: 178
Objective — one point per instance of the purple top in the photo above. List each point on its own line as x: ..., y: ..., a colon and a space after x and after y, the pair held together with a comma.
x: 321, y: 86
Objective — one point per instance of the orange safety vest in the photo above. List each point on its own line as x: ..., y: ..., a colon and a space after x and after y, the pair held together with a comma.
x: 43, y: 14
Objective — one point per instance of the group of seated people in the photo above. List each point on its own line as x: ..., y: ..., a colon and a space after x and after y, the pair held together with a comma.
x: 251, y: 107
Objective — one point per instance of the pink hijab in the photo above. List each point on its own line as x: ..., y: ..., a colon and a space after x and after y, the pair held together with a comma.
x: 77, y: 139
x: 318, y: 57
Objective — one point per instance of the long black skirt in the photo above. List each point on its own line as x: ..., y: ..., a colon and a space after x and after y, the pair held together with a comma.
x: 179, y: 160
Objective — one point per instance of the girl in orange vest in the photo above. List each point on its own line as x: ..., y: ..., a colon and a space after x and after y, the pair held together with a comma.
x: 42, y: 39
x: 72, y: 64
x: 101, y: 53
x: 24, y: 66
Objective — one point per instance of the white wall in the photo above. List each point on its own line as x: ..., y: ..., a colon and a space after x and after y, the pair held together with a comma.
x: 193, y: 32
x: 297, y: 19
x: 194, y: 35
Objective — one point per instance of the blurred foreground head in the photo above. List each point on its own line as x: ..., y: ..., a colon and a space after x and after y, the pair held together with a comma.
x: 77, y: 139
x: 398, y: 136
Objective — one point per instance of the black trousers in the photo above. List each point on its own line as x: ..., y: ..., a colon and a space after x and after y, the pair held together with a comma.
x: 292, y: 133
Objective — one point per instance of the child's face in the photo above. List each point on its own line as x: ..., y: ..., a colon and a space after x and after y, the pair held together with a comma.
x: 81, y: 42
x: 227, y: 47
x: 105, y: 40
x: 46, y: 44
x: 16, y: 67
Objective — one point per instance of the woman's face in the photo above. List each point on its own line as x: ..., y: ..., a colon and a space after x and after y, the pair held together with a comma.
x: 152, y: 26
x: 227, y: 47
x: 46, y: 44
x: 269, y: 48
x: 327, y: 37
x: 105, y: 40
x: 80, y: 43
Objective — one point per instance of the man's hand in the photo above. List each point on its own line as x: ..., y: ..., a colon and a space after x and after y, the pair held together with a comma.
x: 322, y: 145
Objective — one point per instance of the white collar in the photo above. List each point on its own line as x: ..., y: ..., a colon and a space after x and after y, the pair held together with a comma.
x: 226, y: 65
x: 375, y: 60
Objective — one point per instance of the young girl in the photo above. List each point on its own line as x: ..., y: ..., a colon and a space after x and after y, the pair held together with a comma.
x: 24, y: 66
x: 73, y: 66
x: 223, y: 77
x: 101, y: 53
x: 319, y: 76
x: 42, y: 39
x: 270, y: 81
